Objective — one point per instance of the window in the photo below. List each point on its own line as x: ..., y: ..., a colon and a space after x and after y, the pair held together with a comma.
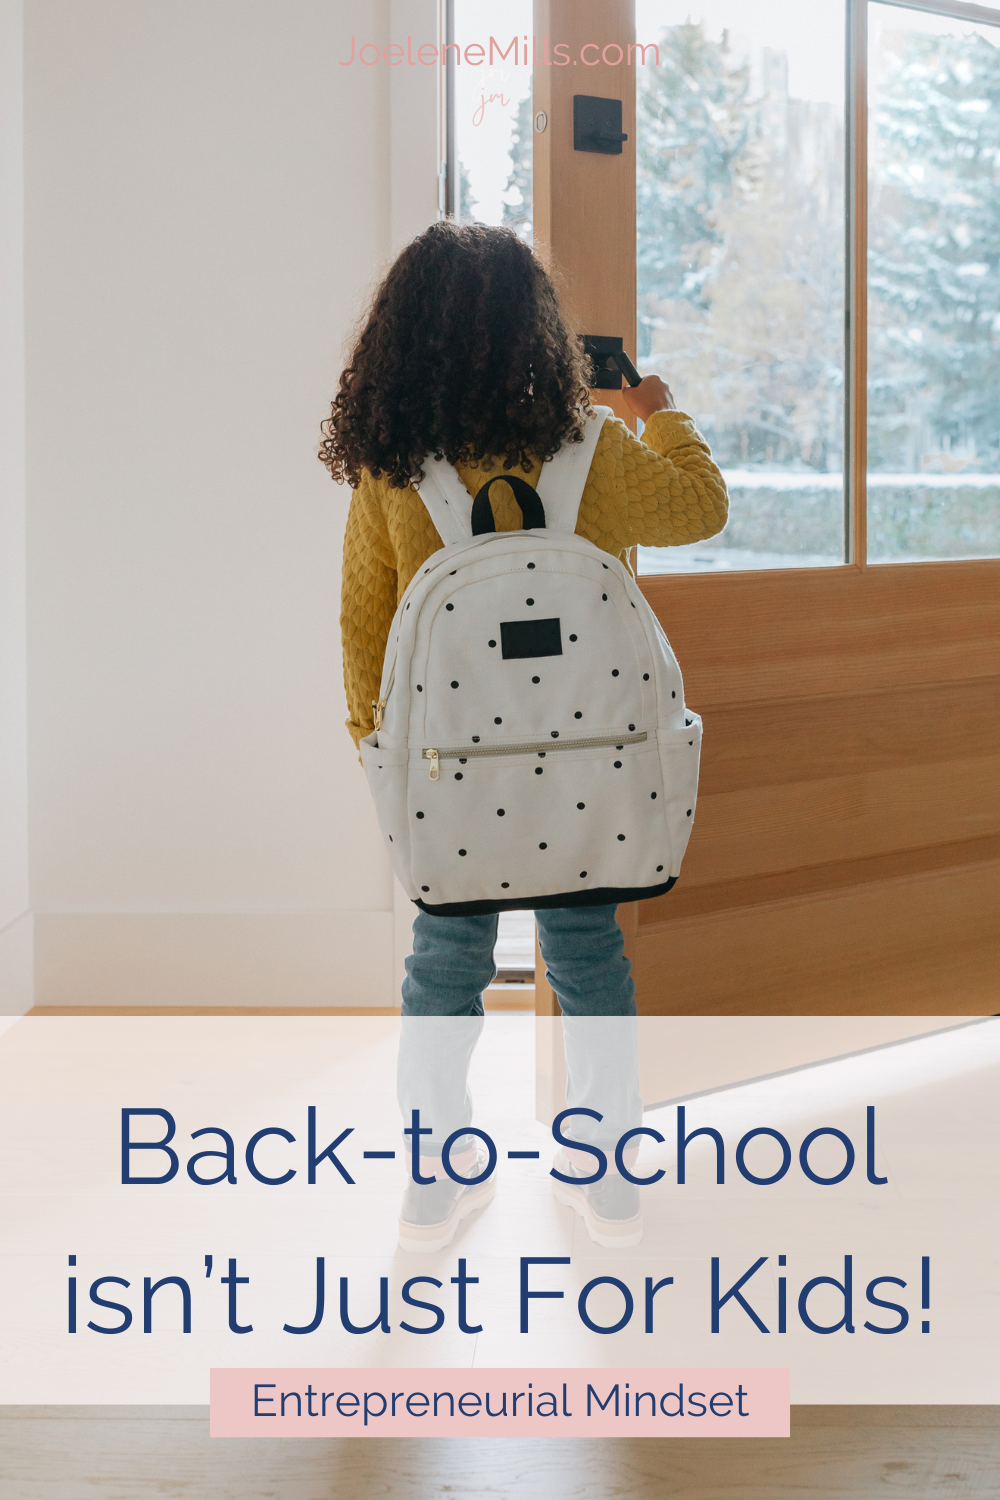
x: 740, y: 227
x: 490, y: 112
x: 933, y: 286
x: 855, y: 420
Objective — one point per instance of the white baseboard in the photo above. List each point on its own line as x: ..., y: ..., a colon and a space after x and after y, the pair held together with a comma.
x: 333, y: 958
x: 16, y: 966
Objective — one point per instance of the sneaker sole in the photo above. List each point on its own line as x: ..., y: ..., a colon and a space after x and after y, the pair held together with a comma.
x: 425, y: 1239
x: 608, y: 1241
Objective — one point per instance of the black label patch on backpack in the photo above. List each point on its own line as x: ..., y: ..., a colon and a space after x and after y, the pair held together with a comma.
x: 519, y: 638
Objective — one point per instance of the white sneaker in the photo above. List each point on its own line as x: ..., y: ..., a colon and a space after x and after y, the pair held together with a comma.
x: 431, y: 1214
x: 610, y: 1208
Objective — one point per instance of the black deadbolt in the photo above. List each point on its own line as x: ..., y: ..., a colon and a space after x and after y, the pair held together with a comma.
x: 597, y: 125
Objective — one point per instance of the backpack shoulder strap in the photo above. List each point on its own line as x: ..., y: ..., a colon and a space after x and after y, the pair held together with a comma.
x: 447, y: 501
x: 562, y: 480
x: 560, y: 487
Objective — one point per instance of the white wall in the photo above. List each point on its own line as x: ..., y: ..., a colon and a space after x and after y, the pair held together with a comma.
x: 208, y: 200
x: 15, y: 916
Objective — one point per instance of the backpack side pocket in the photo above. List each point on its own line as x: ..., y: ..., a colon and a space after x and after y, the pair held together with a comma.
x: 386, y: 770
x: 680, y: 754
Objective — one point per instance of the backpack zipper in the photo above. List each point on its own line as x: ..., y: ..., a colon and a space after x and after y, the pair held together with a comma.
x: 540, y: 747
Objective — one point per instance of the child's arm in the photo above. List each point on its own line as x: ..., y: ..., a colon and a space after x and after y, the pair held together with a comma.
x: 663, y: 491
x: 368, y: 603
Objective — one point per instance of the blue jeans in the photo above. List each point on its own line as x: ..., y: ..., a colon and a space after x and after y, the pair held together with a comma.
x: 583, y: 948
x: 451, y: 965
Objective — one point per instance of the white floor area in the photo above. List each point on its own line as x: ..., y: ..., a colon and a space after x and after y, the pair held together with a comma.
x: 64, y: 1081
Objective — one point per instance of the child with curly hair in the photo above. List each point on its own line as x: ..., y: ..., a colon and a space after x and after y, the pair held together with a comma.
x: 465, y: 356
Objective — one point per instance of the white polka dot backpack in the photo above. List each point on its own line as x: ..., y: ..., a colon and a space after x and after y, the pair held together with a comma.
x: 532, y: 746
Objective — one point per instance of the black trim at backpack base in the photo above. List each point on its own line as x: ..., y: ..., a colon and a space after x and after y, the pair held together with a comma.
x: 609, y: 895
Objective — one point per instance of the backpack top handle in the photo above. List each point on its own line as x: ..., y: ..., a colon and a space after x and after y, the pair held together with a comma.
x: 554, y: 506
x: 532, y: 510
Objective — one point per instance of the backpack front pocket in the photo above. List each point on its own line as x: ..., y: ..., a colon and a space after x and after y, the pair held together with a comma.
x: 539, y: 819
x: 536, y: 748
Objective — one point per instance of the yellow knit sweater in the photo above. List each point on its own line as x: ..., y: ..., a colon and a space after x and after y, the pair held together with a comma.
x: 660, y: 492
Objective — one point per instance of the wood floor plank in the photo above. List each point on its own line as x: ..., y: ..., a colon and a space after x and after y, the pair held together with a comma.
x: 836, y: 1453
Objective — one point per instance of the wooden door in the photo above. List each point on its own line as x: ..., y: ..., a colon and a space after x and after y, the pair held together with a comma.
x: 846, y: 853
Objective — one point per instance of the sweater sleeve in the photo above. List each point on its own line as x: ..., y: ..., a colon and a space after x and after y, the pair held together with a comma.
x: 663, y: 491
x: 368, y: 603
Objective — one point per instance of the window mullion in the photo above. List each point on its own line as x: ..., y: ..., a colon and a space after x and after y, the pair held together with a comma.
x: 856, y: 392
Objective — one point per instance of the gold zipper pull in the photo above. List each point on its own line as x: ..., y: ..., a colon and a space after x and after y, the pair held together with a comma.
x: 435, y: 772
x: 378, y: 709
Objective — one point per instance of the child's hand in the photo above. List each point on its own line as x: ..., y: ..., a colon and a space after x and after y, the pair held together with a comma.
x: 651, y: 394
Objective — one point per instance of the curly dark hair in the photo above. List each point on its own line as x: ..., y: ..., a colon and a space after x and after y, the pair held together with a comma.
x: 464, y: 355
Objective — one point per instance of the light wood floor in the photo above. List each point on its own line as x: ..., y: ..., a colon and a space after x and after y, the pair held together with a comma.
x: 834, y: 1453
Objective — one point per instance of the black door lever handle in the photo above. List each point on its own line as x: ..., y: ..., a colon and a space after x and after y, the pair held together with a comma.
x: 611, y: 137
x: 605, y: 353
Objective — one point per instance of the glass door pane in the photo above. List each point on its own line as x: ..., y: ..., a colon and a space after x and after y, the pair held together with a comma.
x: 740, y: 145
x: 492, y: 103
x: 933, y: 287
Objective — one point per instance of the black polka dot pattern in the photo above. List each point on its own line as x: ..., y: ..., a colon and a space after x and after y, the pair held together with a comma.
x: 445, y: 723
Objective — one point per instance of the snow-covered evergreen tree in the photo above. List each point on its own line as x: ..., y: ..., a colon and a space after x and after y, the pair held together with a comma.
x: 693, y: 130
x: 740, y: 258
x: 934, y: 258
x: 517, y: 212
x: 467, y: 204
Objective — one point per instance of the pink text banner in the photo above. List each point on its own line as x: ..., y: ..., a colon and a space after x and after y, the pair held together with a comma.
x: 493, y: 1403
